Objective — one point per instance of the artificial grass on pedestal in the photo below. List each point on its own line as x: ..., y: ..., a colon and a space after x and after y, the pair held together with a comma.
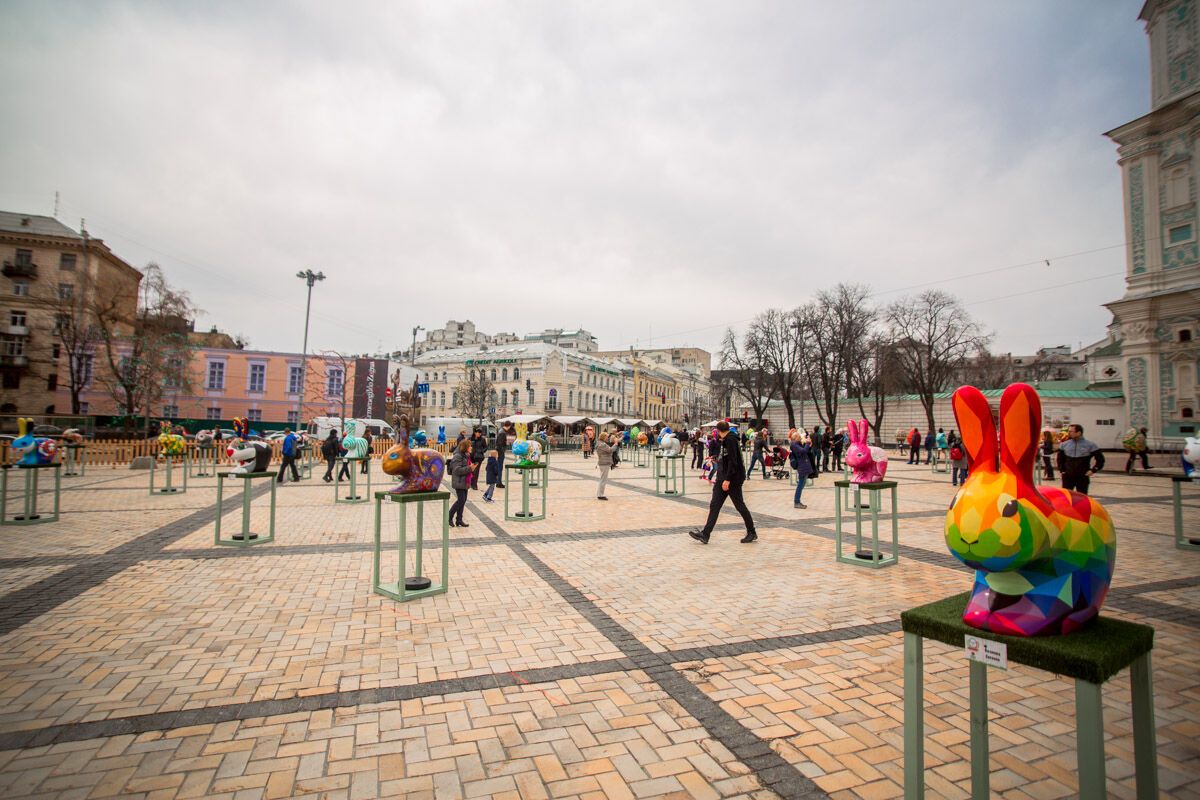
x: 1094, y: 654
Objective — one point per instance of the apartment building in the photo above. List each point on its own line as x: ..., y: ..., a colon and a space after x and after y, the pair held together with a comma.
x: 53, y: 280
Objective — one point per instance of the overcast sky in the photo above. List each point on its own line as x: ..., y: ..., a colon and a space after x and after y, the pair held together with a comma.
x: 651, y: 172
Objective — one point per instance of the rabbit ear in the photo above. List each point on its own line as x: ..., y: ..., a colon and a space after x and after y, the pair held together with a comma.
x: 978, y: 431
x: 1020, y: 417
x: 852, y: 426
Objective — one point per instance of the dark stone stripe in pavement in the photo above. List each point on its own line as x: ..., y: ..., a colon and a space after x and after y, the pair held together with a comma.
x: 771, y: 769
x: 30, y: 602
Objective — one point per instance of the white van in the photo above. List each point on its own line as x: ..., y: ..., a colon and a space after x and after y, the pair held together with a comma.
x: 321, y: 426
x: 454, y: 424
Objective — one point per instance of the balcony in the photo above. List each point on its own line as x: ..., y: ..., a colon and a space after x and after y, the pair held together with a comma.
x: 14, y: 361
x: 18, y: 330
x: 19, y: 269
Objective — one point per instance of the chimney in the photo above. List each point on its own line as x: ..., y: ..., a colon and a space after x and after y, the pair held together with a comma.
x: 25, y: 222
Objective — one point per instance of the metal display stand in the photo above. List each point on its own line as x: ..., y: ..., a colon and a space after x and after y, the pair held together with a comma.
x: 525, y: 515
x: 74, y: 459
x: 205, y: 457
x: 641, y: 456
x: 304, y: 461
x: 29, y: 514
x: 1182, y: 542
x: 873, y: 557
x: 408, y: 587
x: 352, y: 467
x: 940, y: 462
x: 669, y: 479
x: 1086, y: 656
x: 170, y: 488
x: 245, y: 538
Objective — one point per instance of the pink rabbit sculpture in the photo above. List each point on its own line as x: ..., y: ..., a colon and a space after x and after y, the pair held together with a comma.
x: 868, y: 463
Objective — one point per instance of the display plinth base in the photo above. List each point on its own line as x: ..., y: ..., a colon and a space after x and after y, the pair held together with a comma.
x: 641, y: 456
x: 406, y: 587
x: 168, y: 486
x: 873, y: 557
x: 527, y: 472
x: 940, y: 462
x: 29, y: 512
x: 670, y: 479
x: 245, y: 537
x: 1091, y: 656
x: 1182, y: 542
x: 204, y: 460
x: 355, y: 496
x: 74, y: 460
x: 304, y: 461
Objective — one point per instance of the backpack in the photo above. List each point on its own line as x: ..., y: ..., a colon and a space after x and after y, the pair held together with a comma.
x: 1130, y: 441
x: 956, y: 453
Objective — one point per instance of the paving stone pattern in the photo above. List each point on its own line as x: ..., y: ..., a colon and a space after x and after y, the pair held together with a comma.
x: 598, y: 653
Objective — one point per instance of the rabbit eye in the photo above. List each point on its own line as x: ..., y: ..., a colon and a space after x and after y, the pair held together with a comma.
x: 1010, y: 509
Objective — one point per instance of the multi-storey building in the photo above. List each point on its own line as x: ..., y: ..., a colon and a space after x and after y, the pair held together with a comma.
x: 578, y: 340
x: 455, y: 335
x: 54, y: 280
x: 693, y: 357
x: 1156, y: 324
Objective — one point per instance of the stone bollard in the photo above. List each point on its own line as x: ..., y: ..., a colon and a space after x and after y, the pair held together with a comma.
x: 142, y: 462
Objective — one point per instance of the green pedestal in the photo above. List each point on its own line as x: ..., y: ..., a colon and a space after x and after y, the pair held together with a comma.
x: 245, y: 538
x: 940, y: 462
x: 537, y: 481
x: 874, y: 502
x: 532, y: 470
x: 1090, y: 656
x: 1181, y: 541
x: 407, y: 588
x: 204, y: 461
x: 355, y: 495
x: 641, y: 456
x: 669, y: 476
x: 168, y: 486
x: 74, y: 460
x: 29, y: 514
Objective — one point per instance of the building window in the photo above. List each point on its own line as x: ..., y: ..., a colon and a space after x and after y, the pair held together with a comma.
x: 171, y: 411
x: 504, y: 374
x: 21, y: 288
x: 1186, y: 412
x: 51, y: 382
x: 552, y: 402
x: 212, y: 413
x: 14, y: 346
x: 66, y: 291
x: 66, y: 261
x: 295, y: 376
x: 56, y: 351
x: 516, y: 373
x: 504, y: 397
x: 24, y: 258
x: 335, y: 381
x: 12, y: 380
x: 571, y: 398
x: 83, y: 408
x: 17, y: 319
x: 1185, y: 335
x: 293, y: 418
x: 216, y: 376
x: 531, y: 398
x: 254, y: 415
x: 1179, y: 234
x: 258, y: 378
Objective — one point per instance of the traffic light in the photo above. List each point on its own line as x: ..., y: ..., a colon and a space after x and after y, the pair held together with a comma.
x: 528, y: 385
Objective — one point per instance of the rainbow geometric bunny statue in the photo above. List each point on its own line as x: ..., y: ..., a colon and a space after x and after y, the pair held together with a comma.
x: 1043, y: 557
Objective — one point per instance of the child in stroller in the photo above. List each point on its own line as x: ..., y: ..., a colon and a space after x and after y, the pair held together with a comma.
x: 777, y: 462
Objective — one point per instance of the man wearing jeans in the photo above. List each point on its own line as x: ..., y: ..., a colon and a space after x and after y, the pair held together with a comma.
x: 289, y: 458
x: 731, y: 474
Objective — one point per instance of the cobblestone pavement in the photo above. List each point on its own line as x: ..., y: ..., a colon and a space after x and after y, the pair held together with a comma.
x: 598, y: 653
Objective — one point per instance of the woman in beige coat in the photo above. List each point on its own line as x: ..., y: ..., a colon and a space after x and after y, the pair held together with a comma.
x: 603, y: 463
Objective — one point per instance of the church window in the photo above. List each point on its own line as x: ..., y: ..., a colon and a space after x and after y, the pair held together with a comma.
x: 1186, y: 412
x: 1179, y: 234
x: 1185, y: 335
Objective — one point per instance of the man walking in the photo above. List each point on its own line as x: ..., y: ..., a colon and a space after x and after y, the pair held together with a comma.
x: 366, y: 464
x: 1078, y: 460
x: 756, y: 455
x: 1135, y: 445
x: 501, y: 446
x: 289, y: 458
x: 731, y: 474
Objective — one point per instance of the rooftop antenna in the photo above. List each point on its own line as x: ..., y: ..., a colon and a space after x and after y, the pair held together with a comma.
x: 56, y: 204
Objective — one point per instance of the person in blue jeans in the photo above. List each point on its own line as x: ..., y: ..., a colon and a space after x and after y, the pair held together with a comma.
x: 756, y: 455
x: 492, y: 475
x: 801, y: 460
x: 289, y: 458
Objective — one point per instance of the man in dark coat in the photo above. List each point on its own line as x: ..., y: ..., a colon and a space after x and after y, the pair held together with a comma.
x: 501, y: 446
x: 478, y: 456
x: 731, y: 474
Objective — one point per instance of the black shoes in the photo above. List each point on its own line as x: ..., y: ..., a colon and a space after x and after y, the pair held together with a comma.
x: 601, y: 497
x: 698, y: 536
x: 750, y: 537
x: 463, y: 524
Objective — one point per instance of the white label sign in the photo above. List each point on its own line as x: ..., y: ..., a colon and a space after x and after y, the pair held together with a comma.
x: 994, y: 654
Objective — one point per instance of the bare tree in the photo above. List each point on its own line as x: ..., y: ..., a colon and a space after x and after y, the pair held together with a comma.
x: 149, y: 354
x: 749, y: 377
x: 987, y: 370
x: 873, y: 378
x: 772, y: 335
x: 933, y: 335
x: 329, y: 378
x: 474, y: 393
x: 833, y: 330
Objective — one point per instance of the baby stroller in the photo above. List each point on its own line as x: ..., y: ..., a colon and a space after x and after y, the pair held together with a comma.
x: 777, y: 462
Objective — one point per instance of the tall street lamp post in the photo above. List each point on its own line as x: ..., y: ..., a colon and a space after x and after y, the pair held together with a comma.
x: 412, y: 357
x: 310, y: 278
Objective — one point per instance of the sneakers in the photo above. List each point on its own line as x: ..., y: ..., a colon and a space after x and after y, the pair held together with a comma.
x: 799, y: 505
x: 698, y: 536
x: 750, y: 537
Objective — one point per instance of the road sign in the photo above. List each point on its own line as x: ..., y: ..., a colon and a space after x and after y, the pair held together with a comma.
x: 492, y: 410
x: 422, y: 388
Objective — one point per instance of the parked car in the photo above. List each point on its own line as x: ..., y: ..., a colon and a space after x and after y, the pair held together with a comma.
x: 47, y: 430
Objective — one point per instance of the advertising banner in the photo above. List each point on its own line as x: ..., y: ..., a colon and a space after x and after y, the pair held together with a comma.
x: 370, y: 387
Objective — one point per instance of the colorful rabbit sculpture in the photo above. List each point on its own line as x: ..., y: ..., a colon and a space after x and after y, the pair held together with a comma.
x: 170, y: 444
x: 1043, y: 556
x: 72, y: 436
x: 204, y: 439
x: 419, y: 469
x: 33, y: 451
x: 354, y: 445
x: 1190, y: 459
x: 441, y: 437
x: 668, y: 442
x: 251, y: 456
x: 868, y: 463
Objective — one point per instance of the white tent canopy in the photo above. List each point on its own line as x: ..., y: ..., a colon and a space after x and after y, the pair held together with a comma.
x: 569, y: 420
x: 528, y: 419
x: 630, y: 422
x: 653, y: 422
x: 712, y: 424
x: 602, y: 420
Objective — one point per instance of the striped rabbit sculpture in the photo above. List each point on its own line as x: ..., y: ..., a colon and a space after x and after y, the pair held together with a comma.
x: 1043, y: 556
x: 419, y: 469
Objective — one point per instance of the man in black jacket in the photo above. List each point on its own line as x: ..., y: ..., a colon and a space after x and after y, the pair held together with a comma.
x: 501, y: 446
x: 478, y: 456
x: 1078, y: 460
x: 731, y: 474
